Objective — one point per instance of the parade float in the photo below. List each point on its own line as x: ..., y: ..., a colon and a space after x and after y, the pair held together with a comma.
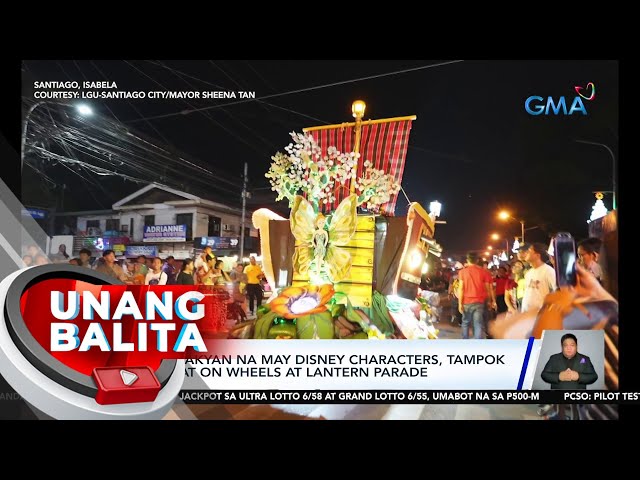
x: 344, y: 266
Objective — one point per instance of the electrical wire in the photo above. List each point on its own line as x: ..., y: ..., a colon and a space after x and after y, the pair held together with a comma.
x: 97, y: 200
x: 200, y: 110
x: 300, y: 90
x: 298, y: 113
x: 226, y: 74
x: 128, y: 101
x: 405, y: 195
x: 112, y: 132
x: 43, y: 175
x: 86, y: 79
x: 183, y: 73
x: 259, y: 101
x: 260, y: 76
x: 107, y: 145
x: 270, y: 144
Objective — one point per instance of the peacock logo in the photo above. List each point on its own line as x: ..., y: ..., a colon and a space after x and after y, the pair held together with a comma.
x: 579, y: 90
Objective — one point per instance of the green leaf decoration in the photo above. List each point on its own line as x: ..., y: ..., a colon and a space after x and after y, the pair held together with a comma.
x: 380, y: 314
x: 263, y: 324
x: 358, y: 336
x: 339, y: 298
x: 263, y: 309
x: 317, y: 325
x: 283, y: 330
x: 354, y: 317
x: 336, y: 309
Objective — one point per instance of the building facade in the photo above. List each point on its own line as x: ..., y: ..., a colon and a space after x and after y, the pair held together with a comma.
x: 167, y: 219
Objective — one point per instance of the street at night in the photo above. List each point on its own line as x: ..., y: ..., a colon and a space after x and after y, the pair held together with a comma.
x: 432, y: 201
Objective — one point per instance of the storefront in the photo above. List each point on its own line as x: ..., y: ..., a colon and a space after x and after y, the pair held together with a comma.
x: 169, y: 221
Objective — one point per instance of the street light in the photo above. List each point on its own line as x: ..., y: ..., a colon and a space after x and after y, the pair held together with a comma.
x: 504, y: 215
x: 496, y: 236
x: 357, y: 109
x: 435, y: 208
x: 83, y: 109
x: 613, y: 161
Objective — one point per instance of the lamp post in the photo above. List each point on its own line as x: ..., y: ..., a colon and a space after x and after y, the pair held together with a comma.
x: 83, y: 109
x: 435, y: 208
x: 504, y: 215
x: 357, y: 109
x: 613, y: 161
x: 495, y: 236
x: 245, y: 179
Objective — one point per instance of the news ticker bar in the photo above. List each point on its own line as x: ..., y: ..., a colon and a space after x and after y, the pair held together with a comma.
x: 408, y: 396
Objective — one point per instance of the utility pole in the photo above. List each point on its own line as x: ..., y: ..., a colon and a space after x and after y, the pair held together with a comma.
x: 244, y: 209
x: 613, y: 165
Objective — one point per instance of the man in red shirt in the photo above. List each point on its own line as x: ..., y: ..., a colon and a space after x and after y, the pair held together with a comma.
x: 502, y: 280
x: 476, y: 285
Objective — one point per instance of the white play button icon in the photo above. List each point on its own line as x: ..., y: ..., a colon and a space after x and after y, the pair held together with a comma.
x: 128, y: 378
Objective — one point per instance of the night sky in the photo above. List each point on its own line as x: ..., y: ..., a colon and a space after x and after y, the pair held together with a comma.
x: 473, y: 147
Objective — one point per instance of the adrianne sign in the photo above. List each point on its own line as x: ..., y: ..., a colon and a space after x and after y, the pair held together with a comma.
x: 165, y: 233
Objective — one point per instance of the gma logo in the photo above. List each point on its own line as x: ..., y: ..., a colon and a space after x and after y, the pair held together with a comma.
x: 535, y: 105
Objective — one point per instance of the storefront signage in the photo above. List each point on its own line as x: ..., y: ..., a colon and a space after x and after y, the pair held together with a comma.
x: 165, y: 233
x: 137, y: 250
x: 217, y: 243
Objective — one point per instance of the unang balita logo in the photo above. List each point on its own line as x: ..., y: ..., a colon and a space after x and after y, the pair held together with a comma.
x: 536, y: 105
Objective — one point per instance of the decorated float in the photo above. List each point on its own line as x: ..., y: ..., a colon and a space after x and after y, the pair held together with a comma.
x: 344, y: 266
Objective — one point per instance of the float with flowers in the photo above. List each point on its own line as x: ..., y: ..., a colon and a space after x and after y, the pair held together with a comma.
x: 343, y: 264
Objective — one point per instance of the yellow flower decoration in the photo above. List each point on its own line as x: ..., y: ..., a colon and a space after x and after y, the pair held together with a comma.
x: 375, y: 334
x: 294, y: 302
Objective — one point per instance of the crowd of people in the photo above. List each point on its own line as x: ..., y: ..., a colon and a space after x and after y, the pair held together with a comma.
x: 516, y: 297
x: 34, y: 256
x: 244, y: 284
x: 479, y: 293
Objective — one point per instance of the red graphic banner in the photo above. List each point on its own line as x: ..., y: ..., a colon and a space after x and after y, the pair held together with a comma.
x: 86, y: 326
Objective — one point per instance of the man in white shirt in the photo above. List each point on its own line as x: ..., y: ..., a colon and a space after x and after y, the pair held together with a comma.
x: 156, y: 276
x: 201, y: 261
x: 540, y: 279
